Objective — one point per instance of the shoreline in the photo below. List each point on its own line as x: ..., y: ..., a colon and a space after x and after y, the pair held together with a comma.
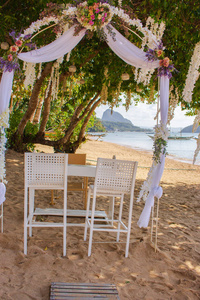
x: 170, y: 156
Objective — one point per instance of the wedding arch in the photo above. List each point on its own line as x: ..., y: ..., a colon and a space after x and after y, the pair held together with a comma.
x: 97, y: 16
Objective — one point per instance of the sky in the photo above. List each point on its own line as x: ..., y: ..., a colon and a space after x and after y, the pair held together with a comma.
x: 143, y: 115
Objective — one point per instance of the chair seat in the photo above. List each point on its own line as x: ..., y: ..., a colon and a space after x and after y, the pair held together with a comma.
x: 109, y: 192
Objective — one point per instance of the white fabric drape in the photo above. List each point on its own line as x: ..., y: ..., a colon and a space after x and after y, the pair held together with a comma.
x: 54, y: 50
x: 127, y: 51
x: 64, y: 44
x: 5, y: 90
x: 2, y: 192
x: 155, y: 190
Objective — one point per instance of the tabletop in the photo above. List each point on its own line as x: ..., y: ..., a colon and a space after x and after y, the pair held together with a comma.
x: 81, y: 170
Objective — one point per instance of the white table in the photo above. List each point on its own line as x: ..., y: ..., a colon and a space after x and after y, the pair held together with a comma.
x: 81, y: 170
x: 74, y: 170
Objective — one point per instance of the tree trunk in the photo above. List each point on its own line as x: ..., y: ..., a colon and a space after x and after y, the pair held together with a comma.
x: 45, y: 114
x: 36, y: 119
x: 33, y: 99
x: 81, y: 137
x: 86, y: 120
x: 76, y: 119
x: 64, y: 144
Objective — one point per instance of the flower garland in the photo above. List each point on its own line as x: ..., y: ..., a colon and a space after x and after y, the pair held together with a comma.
x: 160, y: 141
x: 9, y: 60
x: 4, y: 117
x: 95, y: 16
x: 166, y: 67
x: 172, y: 103
x: 193, y: 74
x: 160, y: 144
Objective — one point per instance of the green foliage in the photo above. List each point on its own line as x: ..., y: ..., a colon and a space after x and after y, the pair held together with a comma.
x: 93, y: 56
x: 95, y: 126
x: 159, y: 147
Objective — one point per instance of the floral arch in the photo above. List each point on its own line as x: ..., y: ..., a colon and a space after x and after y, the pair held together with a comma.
x: 97, y: 16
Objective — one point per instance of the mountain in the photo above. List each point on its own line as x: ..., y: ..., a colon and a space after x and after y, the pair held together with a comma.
x: 188, y: 129
x: 114, y: 121
x: 113, y: 116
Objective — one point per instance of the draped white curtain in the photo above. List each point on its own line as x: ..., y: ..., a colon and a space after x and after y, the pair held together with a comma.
x: 64, y: 44
x: 127, y: 52
x: 155, y: 190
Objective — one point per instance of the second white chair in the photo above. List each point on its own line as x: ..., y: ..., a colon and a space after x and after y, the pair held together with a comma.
x: 113, y: 178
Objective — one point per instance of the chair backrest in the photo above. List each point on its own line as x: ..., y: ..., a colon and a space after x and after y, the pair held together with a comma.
x: 116, y: 175
x: 77, y: 159
x: 46, y: 169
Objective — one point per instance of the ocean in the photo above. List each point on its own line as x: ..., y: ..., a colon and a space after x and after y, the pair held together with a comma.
x: 182, y: 150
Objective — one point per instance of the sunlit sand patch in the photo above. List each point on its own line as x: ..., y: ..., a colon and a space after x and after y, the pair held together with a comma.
x: 177, y: 226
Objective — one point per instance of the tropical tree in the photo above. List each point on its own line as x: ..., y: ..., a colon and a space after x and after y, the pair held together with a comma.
x: 98, y: 71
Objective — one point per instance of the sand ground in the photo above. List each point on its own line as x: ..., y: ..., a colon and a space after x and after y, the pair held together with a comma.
x: 173, y: 272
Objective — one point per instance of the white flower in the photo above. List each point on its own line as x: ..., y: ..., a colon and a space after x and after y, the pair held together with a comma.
x: 193, y: 74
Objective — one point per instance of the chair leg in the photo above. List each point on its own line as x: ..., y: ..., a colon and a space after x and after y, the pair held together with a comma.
x: 92, y: 224
x: 120, y: 217
x: 129, y: 226
x: 87, y: 215
x: 111, y: 209
x: 65, y: 225
x: 25, y: 220
x: 31, y: 208
x: 85, y: 192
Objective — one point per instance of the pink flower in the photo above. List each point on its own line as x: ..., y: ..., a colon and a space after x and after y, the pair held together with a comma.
x: 159, y: 52
x: 91, y: 22
x: 92, y: 17
x: 105, y: 15
x: 18, y: 43
x: 10, y: 57
x: 103, y: 19
x: 97, y: 11
x: 96, y: 5
x: 166, y: 62
x: 14, y: 48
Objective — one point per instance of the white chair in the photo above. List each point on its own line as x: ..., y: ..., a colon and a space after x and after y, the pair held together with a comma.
x: 44, y: 172
x: 113, y: 178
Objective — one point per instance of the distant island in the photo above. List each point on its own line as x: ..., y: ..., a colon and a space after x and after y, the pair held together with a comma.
x: 113, y: 121
x: 188, y: 129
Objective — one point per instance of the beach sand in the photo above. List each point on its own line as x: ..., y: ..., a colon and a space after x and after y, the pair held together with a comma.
x: 172, y: 272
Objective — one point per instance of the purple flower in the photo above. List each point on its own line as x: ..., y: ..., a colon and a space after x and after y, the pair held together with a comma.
x: 8, y: 66
x: 27, y: 37
x: 30, y: 45
x: 12, y: 34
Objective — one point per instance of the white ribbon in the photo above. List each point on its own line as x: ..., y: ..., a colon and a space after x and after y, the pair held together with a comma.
x: 2, y: 192
x: 145, y: 215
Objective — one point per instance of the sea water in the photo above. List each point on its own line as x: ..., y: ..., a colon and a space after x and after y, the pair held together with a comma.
x: 182, y: 150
